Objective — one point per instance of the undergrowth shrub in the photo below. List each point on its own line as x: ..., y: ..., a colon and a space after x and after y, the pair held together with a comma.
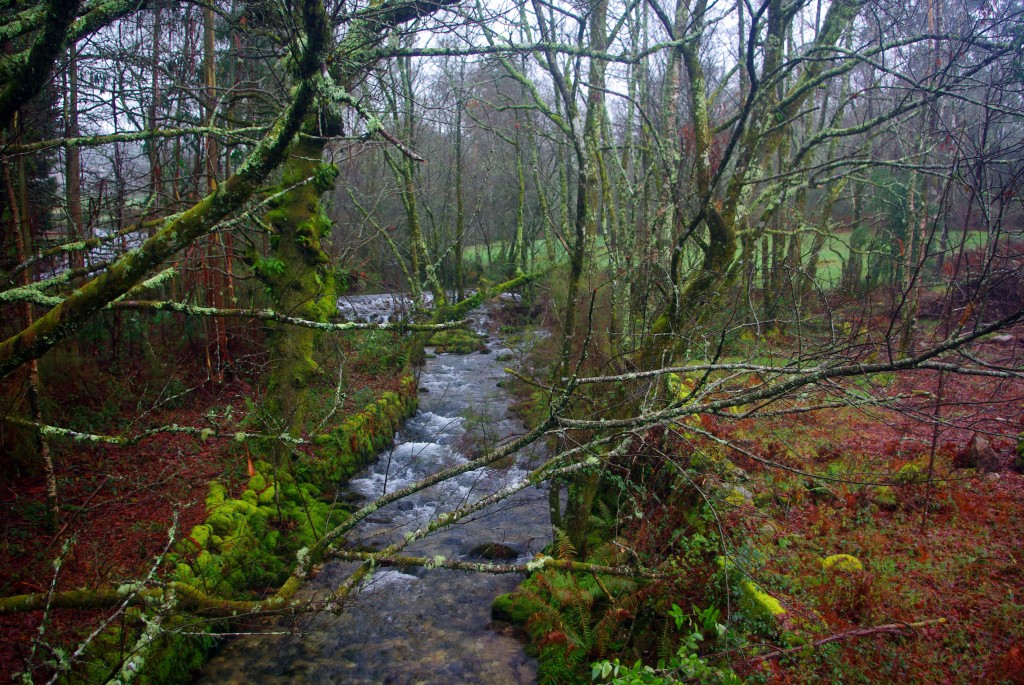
x: 381, y: 352
x: 846, y: 588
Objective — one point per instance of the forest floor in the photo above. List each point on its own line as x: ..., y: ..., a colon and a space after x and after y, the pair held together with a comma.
x: 951, y: 549
x: 117, y: 505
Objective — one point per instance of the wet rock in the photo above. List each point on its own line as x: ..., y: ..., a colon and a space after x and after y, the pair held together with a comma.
x: 494, y: 551
x: 349, y: 498
x: 485, y: 350
x: 424, y: 390
x: 979, y: 454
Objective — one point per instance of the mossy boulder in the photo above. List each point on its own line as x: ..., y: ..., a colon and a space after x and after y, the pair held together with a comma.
x: 845, y: 563
x: 200, y: 535
x: 258, y: 483
x: 218, y: 493
x: 845, y: 586
x: 267, y: 496
x: 752, y: 598
x: 738, y: 496
x: 456, y: 341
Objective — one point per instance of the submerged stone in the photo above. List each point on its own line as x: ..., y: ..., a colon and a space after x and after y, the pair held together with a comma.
x: 494, y: 550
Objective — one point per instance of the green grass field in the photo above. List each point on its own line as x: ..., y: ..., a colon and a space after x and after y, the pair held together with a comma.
x: 834, y: 253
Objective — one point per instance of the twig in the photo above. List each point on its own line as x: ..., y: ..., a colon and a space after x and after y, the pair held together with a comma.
x: 888, y: 628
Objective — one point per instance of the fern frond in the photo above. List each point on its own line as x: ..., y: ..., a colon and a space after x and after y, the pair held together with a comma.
x: 562, y: 546
x: 666, y: 641
x: 606, y: 554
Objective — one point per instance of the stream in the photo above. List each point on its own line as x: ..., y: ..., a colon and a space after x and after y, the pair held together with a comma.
x: 415, y: 625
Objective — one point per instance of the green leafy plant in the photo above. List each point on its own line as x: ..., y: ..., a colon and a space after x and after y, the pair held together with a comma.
x: 686, y: 665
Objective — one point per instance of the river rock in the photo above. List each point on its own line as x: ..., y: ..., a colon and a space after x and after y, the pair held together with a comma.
x: 494, y: 550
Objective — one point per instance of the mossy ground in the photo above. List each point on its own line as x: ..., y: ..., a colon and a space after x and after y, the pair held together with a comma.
x: 883, y: 546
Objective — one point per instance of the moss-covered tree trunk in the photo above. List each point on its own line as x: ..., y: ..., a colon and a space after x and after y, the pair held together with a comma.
x: 301, y: 281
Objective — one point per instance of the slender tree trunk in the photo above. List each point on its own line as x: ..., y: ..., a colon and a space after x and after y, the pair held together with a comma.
x: 21, y: 228
x: 517, y: 260
x: 155, y: 169
x: 216, y: 257
x: 303, y: 287
x: 73, y: 163
x: 460, y: 205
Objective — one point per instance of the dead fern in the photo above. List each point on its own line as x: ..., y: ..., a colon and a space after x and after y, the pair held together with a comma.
x: 562, y: 547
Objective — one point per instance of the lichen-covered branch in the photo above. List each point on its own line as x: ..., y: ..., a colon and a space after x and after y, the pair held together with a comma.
x: 542, y: 561
x: 278, y: 317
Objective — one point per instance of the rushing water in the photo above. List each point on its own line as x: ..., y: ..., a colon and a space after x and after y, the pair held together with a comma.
x: 413, y: 625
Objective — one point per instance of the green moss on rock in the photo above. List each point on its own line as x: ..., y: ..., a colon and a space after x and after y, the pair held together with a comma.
x: 910, y: 474
x: 755, y: 601
x: 359, y: 438
x: 842, y: 562
x: 456, y: 341
x: 200, y: 535
x: 267, y: 496
x: 258, y: 483
x: 514, y: 608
